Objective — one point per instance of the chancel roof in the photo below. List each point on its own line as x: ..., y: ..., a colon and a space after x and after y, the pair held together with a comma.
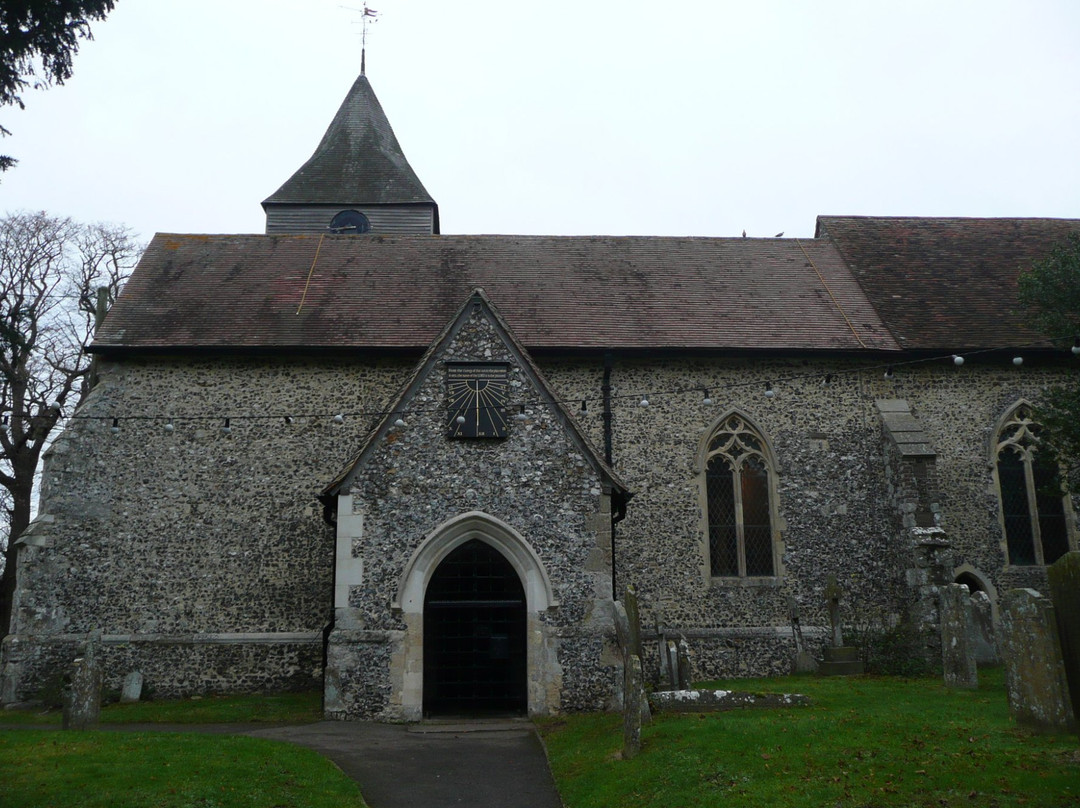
x: 358, y: 161
x: 579, y: 293
x: 945, y: 284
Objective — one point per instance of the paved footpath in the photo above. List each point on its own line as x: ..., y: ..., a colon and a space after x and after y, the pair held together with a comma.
x: 479, y: 764
x: 482, y: 764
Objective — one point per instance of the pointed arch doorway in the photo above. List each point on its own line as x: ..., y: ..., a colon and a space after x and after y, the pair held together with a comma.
x: 475, y: 627
x: 543, y: 672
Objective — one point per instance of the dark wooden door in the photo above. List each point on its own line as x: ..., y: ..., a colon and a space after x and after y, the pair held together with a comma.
x: 474, y: 635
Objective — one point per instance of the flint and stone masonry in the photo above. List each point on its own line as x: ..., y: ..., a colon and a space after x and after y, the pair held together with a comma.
x: 205, y: 560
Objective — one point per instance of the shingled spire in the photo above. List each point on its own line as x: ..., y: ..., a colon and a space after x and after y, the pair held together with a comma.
x: 357, y: 181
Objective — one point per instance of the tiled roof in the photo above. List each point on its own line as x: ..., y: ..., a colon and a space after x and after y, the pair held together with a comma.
x: 945, y: 284
x: 357, y: 162
x: 555, y: 292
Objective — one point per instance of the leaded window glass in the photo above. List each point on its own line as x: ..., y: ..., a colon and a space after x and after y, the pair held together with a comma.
x: 738, y: 501
x: 1032, y: 503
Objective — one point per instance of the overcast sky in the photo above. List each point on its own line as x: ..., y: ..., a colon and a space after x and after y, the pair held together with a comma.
x: 685, y: 117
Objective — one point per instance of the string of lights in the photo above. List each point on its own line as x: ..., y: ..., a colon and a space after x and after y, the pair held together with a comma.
x: 888, y: 370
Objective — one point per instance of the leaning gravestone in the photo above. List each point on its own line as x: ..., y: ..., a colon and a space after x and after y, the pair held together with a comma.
x: 683, y: 664
x: 671, y: 650
x: 133, y: 684
x: 633, y: 704
x: 1064, y: 575
x: 1034, y: 672
x: 957, y: 647
x: 982, y: 630
x: 804, y: 661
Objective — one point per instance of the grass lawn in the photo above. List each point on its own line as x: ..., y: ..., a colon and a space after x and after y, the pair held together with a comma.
x: 40, y: 768
x: 282, y: 708
x: 866, y: 742
x: 171, y: 770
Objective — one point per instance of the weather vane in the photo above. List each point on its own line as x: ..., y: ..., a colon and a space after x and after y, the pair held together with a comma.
x: 367, y: 16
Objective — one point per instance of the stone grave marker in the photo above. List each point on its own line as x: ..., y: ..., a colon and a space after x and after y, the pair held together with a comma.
x: 957, y: 647
x: 1064, y: 576
x: 672, y: 652
x: 833, y: 594
x: 133, y: 684
x: 804, y: 661
x: 82, y: 698
x: 1034, y: 672
x: 683, y: 664
x: 982, y: 630
x: 839, y: 659
x: 633, y: 616
x: 634, y: 690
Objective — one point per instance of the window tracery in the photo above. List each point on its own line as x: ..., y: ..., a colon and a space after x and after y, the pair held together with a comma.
x: 739, y: 501
x: 1030, y: 493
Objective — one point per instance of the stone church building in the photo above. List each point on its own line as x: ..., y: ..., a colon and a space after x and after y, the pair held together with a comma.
x: 413, y: 469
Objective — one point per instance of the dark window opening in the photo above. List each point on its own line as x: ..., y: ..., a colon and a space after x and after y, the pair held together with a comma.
x: 737, y: 501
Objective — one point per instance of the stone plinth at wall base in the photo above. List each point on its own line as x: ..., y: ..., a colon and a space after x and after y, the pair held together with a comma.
x: 843, y: 661
x: 712, y: 701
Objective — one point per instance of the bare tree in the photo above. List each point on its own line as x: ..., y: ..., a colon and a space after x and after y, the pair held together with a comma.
x: 50, y: 269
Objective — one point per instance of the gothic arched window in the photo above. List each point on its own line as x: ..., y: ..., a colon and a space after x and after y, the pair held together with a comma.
x: 739, y: 501
x: 1032, y: 502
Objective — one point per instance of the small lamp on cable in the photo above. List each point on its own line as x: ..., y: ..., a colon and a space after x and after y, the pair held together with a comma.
x: 957, y: 360
x: 707, y: 400
x: 1018, y: 360
x: 769, y: 392
x: 1076, y: 346
x: 644, y: 401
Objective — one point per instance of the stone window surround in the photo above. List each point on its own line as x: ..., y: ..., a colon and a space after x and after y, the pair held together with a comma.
x: 994, y: 447
x: 701, y: 466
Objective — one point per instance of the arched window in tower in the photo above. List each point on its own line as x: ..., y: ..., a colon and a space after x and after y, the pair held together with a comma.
x: 1032, y: 501
x: 739, y: 501
x: 350, y: 223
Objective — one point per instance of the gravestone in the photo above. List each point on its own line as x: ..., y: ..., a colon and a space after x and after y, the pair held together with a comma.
x: 133, y: 684
x: 633, y: 703
x: 832, y: 603
x: 82, y: 697
x: 633, y: 616
x: 622, y: 628
x: 839, y: 659
x: 683, y: 664
x: 803, y: 661
x: 957, y: 647
x: 983, y: 638
x: 672, y: 652
x: 1034, y: 672
x: 1064, y: 576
